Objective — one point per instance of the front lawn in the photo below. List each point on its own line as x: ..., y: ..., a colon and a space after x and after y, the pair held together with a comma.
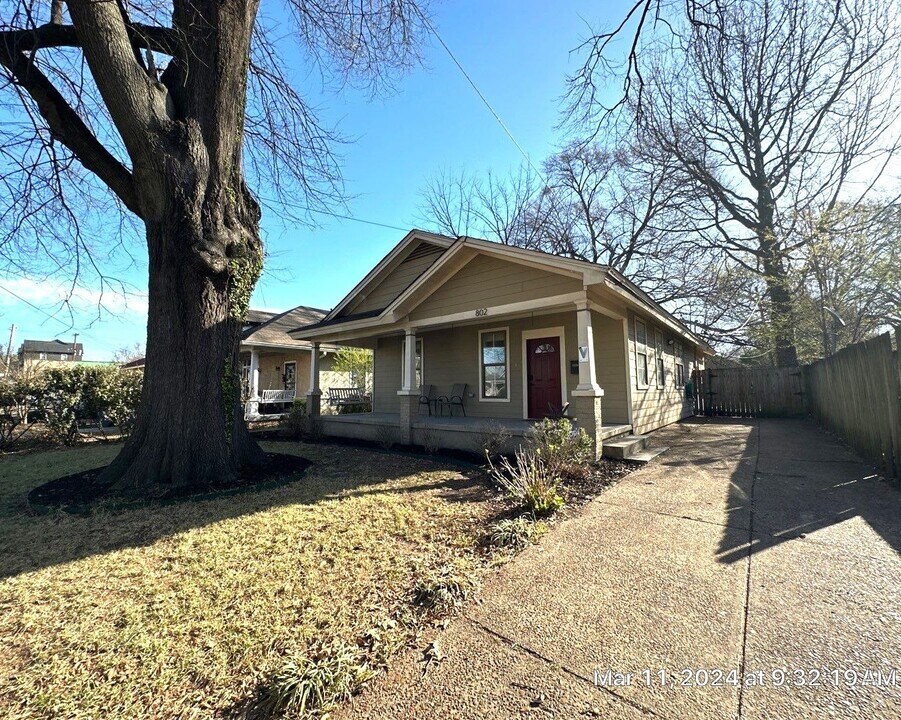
x: 186, y: 609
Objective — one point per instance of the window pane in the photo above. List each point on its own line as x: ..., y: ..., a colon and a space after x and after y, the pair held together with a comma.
x: 641, y: 332
x: 642, y: 369
x: 494, y: 381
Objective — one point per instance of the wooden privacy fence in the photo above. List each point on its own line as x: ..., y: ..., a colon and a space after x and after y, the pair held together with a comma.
x: 855, y: 393
x: 749, y: 392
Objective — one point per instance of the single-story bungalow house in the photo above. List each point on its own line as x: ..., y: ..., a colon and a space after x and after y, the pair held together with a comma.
x: 516, y: 335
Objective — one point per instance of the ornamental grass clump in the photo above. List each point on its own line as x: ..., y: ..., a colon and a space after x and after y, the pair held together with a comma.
x: 515, y: 533
x: 313, y: 683
x: 530, y: 481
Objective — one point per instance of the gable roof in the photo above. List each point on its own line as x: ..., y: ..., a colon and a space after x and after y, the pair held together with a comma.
x: 51, y: 346
x: 397, y: 255
x: 456, y: 254
x: 258, y: 317
x: 273, y: 332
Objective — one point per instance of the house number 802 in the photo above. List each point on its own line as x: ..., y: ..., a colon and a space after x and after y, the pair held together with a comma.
x: 481, y: 312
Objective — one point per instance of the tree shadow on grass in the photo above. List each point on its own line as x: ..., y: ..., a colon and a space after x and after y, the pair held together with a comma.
x: 31, y: 541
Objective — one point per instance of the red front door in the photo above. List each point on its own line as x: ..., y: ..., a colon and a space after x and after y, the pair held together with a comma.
x: 543, y: 367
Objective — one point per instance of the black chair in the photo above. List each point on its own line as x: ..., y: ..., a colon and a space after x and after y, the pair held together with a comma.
x: 427, y: 396
x: 456, y: 398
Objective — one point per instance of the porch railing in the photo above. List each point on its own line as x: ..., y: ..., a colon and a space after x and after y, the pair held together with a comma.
x: 276, y: 396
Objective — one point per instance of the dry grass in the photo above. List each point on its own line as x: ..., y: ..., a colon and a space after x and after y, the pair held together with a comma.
x: 182, y: 610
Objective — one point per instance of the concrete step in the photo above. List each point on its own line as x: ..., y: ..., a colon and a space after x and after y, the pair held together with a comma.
x: 622, y: 447
x: 645, y: 456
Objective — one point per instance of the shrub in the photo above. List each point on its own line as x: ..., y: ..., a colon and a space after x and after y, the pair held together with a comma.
x: 386, y: 436
x: 530, y: 481
x: 515, y: 533
x: 327, y: 675
x: 18, y: 401
x: 68, y: 395
x: 431, y: 441
x: 492, y: 439
x: 559, y: 444
x: 295, y: 422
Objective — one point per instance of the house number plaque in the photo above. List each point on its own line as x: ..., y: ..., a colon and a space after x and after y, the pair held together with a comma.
x: 481, y: 312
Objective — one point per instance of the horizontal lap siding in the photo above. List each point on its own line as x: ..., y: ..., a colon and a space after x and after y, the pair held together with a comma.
x: 610, y: 359
x: 487, y: 282
x: 655, y: 407
x: 396, y: 282
x: 451, y: 356
x: 386, y: 374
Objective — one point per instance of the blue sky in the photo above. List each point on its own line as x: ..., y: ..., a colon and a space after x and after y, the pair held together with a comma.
x: 517, y: 52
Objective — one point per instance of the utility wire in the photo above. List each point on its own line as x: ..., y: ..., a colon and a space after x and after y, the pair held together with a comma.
x: 335, y: 215
x: 475, y: 87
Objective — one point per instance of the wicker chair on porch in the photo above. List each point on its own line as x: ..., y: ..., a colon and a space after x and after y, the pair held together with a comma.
x: 455, y: 399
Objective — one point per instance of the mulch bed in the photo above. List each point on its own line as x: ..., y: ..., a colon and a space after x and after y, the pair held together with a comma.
x: 80, y: 489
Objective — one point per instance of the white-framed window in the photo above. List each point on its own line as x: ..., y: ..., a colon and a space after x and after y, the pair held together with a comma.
x: 418, y: 364
x: 661, y: 365
x: 42, y: 356
x: 680, y: 364
x: 494, y: 365
x: 641, y: 353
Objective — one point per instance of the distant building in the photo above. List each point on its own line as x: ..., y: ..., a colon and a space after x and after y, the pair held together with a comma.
x: 35, y: 352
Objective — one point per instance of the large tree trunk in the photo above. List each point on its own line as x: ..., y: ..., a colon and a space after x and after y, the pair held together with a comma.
x: 190, y: 428
x: 205, y: 256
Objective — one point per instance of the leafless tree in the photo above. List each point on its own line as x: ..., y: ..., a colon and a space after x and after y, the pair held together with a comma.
x: 166, y: 112
x: 772, y: 110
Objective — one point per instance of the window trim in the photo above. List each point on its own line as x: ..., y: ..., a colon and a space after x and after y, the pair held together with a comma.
x: 678, y: 362
x: 660, y: 359
x: 481, y: 366
x: 419, y: 344
x: 638, y: 351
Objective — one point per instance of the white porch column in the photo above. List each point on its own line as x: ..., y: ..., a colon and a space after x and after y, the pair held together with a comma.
x: 251, y: 409
x: 314, y: 394
x: 588, y: 382
x: 409, y: 393
x: 587, y: 395
x: 254, y: 373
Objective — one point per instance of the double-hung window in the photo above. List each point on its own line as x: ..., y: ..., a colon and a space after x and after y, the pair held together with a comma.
x: 680, y: 365
x: 641, y: 353
x: 493, y: 360
x: 661, y: 365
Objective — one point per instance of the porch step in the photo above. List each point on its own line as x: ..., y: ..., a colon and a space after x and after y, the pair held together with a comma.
x: 625, y: 446
x: 645, y: 456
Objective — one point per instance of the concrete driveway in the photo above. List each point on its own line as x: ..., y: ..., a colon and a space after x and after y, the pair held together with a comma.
x: 753, y: 571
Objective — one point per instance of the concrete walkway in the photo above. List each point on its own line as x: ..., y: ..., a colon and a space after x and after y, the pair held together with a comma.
x: 751, y: 546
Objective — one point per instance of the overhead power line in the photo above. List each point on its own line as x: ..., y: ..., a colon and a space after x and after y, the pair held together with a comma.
x: 475, y: 87
x: 332, y: 214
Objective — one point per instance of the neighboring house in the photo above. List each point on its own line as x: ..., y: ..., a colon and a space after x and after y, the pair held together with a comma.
x: 275, y: 368
x: 527, y: 332
x: 49, y: 352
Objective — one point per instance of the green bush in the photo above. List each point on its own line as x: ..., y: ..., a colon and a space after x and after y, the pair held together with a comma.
x: 69, y: 395
x: 530, y: 480
x: 18, y: 402
x: 559, y: 444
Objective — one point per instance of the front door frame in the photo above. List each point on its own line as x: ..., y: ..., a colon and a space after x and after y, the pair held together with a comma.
x: 285, y: 374
x: 534, y: 335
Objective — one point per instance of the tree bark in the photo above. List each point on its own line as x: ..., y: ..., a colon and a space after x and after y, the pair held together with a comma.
x: 782, y: 315
x: 204, y: 250
x: 190, y: 428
